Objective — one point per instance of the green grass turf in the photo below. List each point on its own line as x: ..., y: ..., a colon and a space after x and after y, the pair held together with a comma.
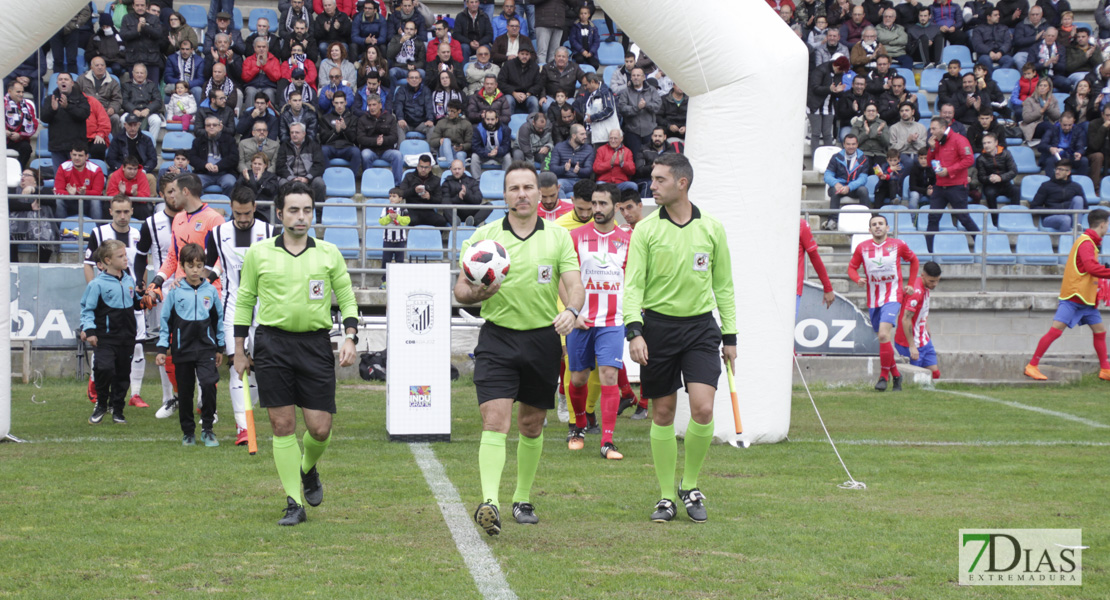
x: 126, y: 512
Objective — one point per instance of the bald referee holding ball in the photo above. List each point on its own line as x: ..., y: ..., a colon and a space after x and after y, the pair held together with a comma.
x: 517, y: 356
x: 679, y: 270
x: 292, y: 277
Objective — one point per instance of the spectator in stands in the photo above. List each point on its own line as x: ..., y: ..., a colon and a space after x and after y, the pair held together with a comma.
x: 339, y: 133
x: 260, y: 177
x: 839, y: 12
x: 477, y: 70
x: 412, y: 105
x: 533, y: 141
x: 878, y: 79
x: 330, y: 27
x: 907, y: 136
x: 372, y: 88
x: 98, y: 128
x: 1100, y: 81
x: 621, y: 76
x: 178, y: 29
x: 922, y: 179
x: 444, y: 62
x: 232, y: 63
x: 406, y: 13
x: 810, y: 12
x: 507, y: 45
x: 1024, y: 88
x: 1049, y: 57
x: 950, y: 18
x: 260, y: 112
x: 372, y: 62
x: 78, y: 177
x: 846, y: 175
x: 554, y: 110
x: 646, y: 160
x: 214, y: 157
x: 615, y: 163
x: 259, y: 142
x: 1039, y: 111
x: 639, y: 105
x: 297, y: 111
x: 952, y: 152
x: 1064, y: 140
x: 1054, y: 11
x: 20, y: 122
x: 336, y: 84
x: 572, y: 159
x: 422, y: 187
x: 130, y: 180
x: 296, y: 11
x: 218, y: 107
x: 473, y: 28
x: 599, y: 109
x: 520, y: 81
x: 377, y: 137
x: 832, y: 47
x: 969, y: 102
x: 825, y: 84
x: 500, y: 23
x: 890, y: 102
x: 989, y: 90
x: 39, y: 207
x: 948, y: 113
x: 550, y: 23
x: 132, y: 143
x: 1028, y: 34
x: 262, y: 32
x: 951, y: 83
x: 872, y: 9
x: 452, y: 134
x: 302, y: 84
x: 1082, y: 102
x: 851, y: 31
x: 223, y: 27
x: 188, y: 67
x: 302, y: 34
x: 864, y: 51
x: 563, y: 74
x: 1013, y: 12
x: 849, y: 104
x: 368, y: 29
x: 142, y: 38
x: 65, y: 113
x: 336, y: 59
x: 106, y: 43
x: 1059, y: 193
x: 984, y: 125
x: 300, y: 159
x: 179, y: 165
x: 491, y: 144
x: 996, y: 171
x: 460, y: 188
x: 871, y: 133
x: 1082, y: 57
x: 672, y: 116
x: 1098, y: 144
x: 441, y: 34
x: 993, y: 42
x: 262, y: 72
x: 889, y: 172
x: 926, y: 40
x: 585, y: 39
x: 406, y: 53
x: 893, y: 38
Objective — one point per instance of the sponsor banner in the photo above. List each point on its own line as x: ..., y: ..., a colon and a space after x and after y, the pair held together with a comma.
x: 839, y: 329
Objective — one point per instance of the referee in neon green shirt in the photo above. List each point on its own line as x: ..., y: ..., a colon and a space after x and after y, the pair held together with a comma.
x: 678, y: 271
x: 292, y: 277
x: 518, y: 351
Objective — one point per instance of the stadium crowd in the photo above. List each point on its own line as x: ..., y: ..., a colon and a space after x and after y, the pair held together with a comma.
x: 312, y: 85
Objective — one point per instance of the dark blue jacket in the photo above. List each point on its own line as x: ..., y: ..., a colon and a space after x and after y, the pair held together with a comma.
x: 591, y: 41
x: 1074, y: 141
x: 1025, y: 35
x: 584, y: 157
x: 837, y: 171
x: 173, y: 74
x: 324, y: 103
x: 396, y: 21
x: 246, y: 123
x: 195, y: 317
x: 1056, y: 193
x: 481, y: 136
x: 360, y: 28
x: 108, y: 308
x: 118, y: 149
x: 411, y: 106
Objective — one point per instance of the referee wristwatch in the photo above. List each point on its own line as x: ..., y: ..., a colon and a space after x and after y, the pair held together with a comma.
x: 572, y: 311
x: 633, y: 331
x: 352, y: 336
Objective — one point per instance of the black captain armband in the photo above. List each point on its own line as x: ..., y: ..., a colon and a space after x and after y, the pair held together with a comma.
x: 242, y: 331
x: 212, y: 276
x: 728, y: 339
x: 633, y: 331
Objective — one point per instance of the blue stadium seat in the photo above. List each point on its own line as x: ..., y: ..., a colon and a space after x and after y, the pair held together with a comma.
x: 174, y: 141
x: 425, y: 242
x: 43, y: 163
x: 1060, y: 97
x: 923, y: 109
x: 930, y: 79
x: 237, y: 19
x: 607, y: 76
x: 268, y: 13
x: 1088, y: 188
x: 340, y: 182
x: 956, y: 52
x: 42, y: 147
x: 1006, y: 79
x: 1031, y: 244
x: 1064, y: 247
x: 1084, y: 25
x: 345, y: 239
x: 946, y: 222
x: 413, y: 147
x: 1030, y: 185
x: 951, y: 250
x: 1105, y: 187
x: 977, y: 217
x: 998, y: 249
x: 495, y: 214
x: 1025, y: 161
x: 911, y: 83
x: 195, y: 16
x: 492, y: 184
x: 899, y: 219
x: 75, y: 246
x: 340, y: 211
x: 588, y: 68
x: 1015, y: 218
x: 610, y: 53
x: 414, y: 135
x: 459, y: 236
x: 376, y: 183
x: 916, y: 242
x: 515, y: 123
x: 602, y: 27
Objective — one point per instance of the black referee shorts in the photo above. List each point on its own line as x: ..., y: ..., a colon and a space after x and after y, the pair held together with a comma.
x: 522, y: 365
x: 294, y: 369
x: 680, y: 349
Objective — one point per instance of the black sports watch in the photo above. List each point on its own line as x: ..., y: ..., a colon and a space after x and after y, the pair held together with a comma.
x: 572, y: 311
x: 633, y: 331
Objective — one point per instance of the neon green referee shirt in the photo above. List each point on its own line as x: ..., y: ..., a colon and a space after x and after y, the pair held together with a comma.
x: 528, y: 293
x: 679, y: 270
x: 294, y: 292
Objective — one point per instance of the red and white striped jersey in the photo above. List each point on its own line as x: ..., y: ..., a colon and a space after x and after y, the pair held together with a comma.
x: 882, y: 267
x: 918, y: 302
x: 602, y: 258
x: 562, y: 208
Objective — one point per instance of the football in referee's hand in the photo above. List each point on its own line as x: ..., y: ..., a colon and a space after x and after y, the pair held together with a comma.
x: 485, y: 263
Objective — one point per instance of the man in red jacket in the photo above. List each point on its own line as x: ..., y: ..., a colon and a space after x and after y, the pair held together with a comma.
x: 97, y: 128
x: 129, y: 180
x: 614, y: 162
x: 951, y: 156
x: 78, y: 177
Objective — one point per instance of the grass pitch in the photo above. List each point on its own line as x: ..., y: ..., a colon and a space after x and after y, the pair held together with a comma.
x: 126, y: 512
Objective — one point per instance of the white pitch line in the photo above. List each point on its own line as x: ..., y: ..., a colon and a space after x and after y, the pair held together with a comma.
x: 970, y: 443
x: 479, y: 560
x: 1036, y: 409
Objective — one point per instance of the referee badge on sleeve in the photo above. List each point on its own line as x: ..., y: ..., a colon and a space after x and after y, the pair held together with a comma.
x: 544, y: 274
x: 701, y: 261
x: 316, y: 289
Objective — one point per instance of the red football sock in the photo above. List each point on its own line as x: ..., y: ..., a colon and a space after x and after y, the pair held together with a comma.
x: 610, y: 402
x: 1100, y: 349
x: 936, y: 374
x: 1042, y: 346
x: 171, y: 373
x: 643, y: 401
x: 577, y: 397
x: 622, y: 383
x: 893, y: 363
x: 886, y: 359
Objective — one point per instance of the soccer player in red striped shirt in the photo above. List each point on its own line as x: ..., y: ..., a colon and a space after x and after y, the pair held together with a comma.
x: 881, y: 258
x: 913, y: 339
x: 598, y: 337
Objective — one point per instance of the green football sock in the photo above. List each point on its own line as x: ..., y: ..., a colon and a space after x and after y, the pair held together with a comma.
x: 287, y: 457
x: 664, y: 453
x: 528, y: 452
x: 491, y: 462
x: 696, y: 445
x: 312, y: 450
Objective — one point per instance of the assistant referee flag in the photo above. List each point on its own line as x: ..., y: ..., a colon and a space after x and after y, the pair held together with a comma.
x: 294, y: 291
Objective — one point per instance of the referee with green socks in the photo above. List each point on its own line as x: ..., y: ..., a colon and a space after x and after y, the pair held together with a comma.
x: 518, y: 351
x: 292, y: 277
x: 678, y: 271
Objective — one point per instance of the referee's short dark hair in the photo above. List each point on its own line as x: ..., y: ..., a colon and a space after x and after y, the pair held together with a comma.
x: 290, y: 188
x: 192, y: 253
x: 189, y: 181
x: 631, y: 196
x: 931, y: 269
x: 242, y: 194
x: 680, y: 166
x: 612, y: 190
x: 520, y: 165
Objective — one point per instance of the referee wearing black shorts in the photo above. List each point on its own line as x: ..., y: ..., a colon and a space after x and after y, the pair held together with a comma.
x: 518, y: 351
x: 678, y: 271
x: 292, y: 277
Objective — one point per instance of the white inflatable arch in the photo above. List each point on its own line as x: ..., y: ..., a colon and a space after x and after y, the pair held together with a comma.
x: 19, y: 36
x: 746, y: 73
